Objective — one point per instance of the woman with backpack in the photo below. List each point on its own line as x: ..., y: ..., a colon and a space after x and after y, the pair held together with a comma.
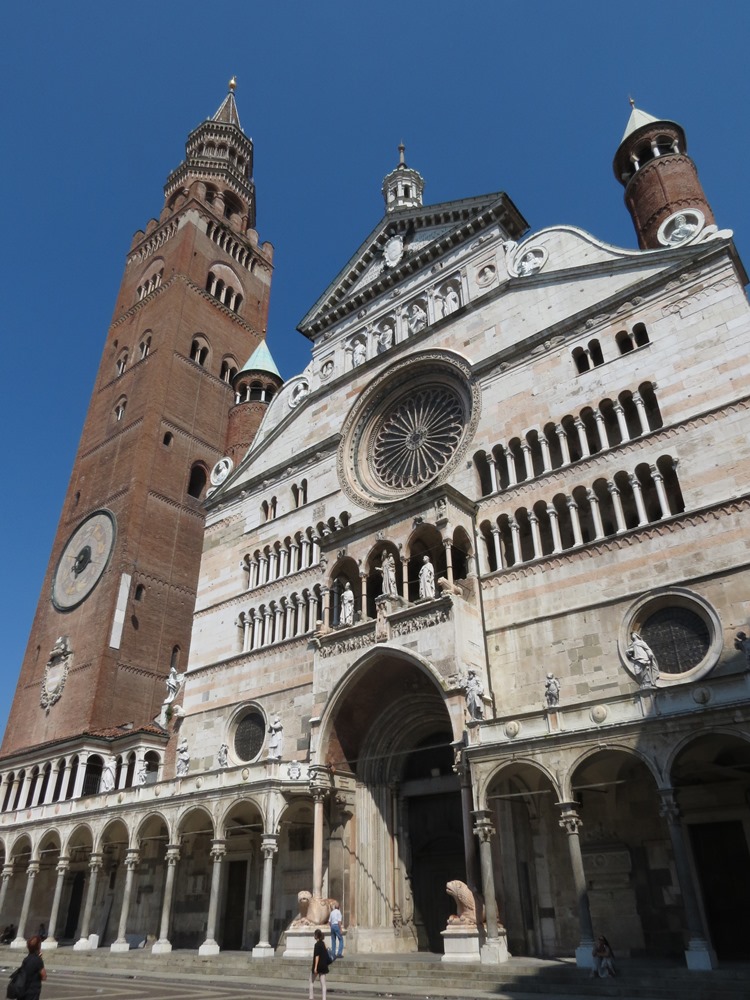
x: 27, y: 983
x: 319, y: 965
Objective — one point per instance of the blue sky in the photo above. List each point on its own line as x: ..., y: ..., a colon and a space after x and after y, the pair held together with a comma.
x: 98, y: 99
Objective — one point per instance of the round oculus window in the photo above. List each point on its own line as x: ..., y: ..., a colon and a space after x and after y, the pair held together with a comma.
x: 249, y: 736
x: 679, y: 638
x: 409, y: 429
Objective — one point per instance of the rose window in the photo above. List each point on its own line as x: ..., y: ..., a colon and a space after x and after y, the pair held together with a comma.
x: 417, y: 438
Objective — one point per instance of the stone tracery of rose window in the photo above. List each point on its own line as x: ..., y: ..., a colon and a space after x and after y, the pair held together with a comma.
x: 417, y: 438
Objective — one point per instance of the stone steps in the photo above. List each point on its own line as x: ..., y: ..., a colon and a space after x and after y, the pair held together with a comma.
x: 426, y: 975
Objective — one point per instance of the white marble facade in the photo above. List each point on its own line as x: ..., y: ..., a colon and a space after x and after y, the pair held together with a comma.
x: 561, y: 427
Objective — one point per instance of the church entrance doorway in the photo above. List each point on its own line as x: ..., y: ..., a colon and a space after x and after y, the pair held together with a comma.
x: 74, y: 906
x: 722, y: 860
x: 234, y: 907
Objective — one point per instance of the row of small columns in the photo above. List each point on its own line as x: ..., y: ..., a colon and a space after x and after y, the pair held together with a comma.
x: 225, y: 294
x: 575, y: 521
x: 562, y: 436
x: 656, y: 151
x: 53, y: 778
x: 132, y: 860
x: 282, y: 562
x: 284, y: 621
x: 222, y: 239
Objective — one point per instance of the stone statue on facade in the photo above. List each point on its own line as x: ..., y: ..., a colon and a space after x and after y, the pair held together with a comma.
x: 313, y: 910
x: 276, y: 732
x: 416, y: 319
x: 530, y: 263
x: 683, y: 230
x: 143, y: 771
x: 427, y: 579
x: 451, y: 301
x: 474, y: 696
x: 359, y: 353
x: 466, y: 905
x: 222, y: 758
x: 107, y: 782
x: 347, y: 605
x: 173, y: 682
x: 742, y: 642
x: 385, y: 339
x: 551, y: 691
x: 387, y: 568
x: 183, y: 758
x: 642, y: 657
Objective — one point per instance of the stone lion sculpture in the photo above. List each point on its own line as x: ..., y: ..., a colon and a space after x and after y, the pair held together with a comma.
x: 313, y: 910
x: 465, y: 904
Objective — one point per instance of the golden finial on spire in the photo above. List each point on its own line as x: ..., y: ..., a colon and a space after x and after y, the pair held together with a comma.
x: 632, y: 102
x: 233, y: 84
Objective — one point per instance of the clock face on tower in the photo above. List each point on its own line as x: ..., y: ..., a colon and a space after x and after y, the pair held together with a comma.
x: 83, y: 560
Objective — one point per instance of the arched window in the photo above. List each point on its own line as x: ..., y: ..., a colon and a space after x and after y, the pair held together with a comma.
x: 197, y: 482
x: 140, y: 592
x: 144, y: 348
x: 122, y: 362
x: 174, y: 660
x: 199, y: 351
x: 167, y: 439
x: 151, y: 763
x: 119, y: 410
x: 229, y: 369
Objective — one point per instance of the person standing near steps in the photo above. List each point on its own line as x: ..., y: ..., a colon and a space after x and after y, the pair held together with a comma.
x: 337, y: 934
x: 319, y: 964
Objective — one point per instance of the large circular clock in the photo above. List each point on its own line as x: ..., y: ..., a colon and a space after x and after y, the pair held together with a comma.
x: 83, y: 560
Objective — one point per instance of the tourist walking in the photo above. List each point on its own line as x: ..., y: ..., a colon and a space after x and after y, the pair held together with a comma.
x: 319, y: 965
x: 33, y: 969
x: 337, y: 935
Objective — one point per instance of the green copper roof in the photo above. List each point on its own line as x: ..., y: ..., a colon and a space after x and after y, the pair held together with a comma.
x: 261, y: 361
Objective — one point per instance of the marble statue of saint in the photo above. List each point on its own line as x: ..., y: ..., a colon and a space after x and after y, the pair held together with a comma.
x: 474, y: 696
x: 143, y: 771
x: 385, y: 339
x: 552, y: 691
x: 107, y: 782
x: 451, y: 301
x: 277, y: 734
x: 347, y: 605
x: 682, y: 229
x: 417, y: 318
x: 183, y: 758
x: 644, y: 662
x: 359, y: 353
x: 529, y: 263
x: 427, y: 579
x: 173, y: 685
x: 222, y: 758
x: 388, y: 568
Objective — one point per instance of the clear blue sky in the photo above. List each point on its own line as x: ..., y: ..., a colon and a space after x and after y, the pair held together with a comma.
x: 98, y: 98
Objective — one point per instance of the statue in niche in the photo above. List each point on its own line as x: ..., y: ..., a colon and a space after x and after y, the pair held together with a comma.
x: 683, y: 230
x: 451, y: 301
x: 109, y: 771
x: 183, y: 760
x: 387, y: 568
x: 427, y: 579
x: 347, y: 605
x: 276, y: 731
x: 742, y: 642
x: 644, y: 662
x: 143, y: 771
x: 385, y: 339
x: 222, y: 758
x: 474, y: 696
x: 551, y: 691
x: 416, y: 319
x: 359, y: 353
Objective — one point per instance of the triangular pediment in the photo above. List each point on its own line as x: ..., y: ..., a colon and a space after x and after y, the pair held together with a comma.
x: 401, y: 243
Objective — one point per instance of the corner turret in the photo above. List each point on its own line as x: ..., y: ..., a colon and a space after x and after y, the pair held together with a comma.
x: 254, y: 385
x: 402, y: 187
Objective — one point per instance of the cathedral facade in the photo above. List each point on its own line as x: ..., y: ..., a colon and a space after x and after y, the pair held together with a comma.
x: 472, y: 601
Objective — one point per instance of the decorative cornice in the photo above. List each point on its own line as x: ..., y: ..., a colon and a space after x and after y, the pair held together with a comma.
x: 111, y: 437
x: 183, y: 508
x: 265, y: 591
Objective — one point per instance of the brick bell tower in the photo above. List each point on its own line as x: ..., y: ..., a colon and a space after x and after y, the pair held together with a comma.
x: 117, y: 599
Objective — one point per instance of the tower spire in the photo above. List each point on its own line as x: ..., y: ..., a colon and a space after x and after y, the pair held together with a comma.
x: 228, y: 112
x: 402, y: 187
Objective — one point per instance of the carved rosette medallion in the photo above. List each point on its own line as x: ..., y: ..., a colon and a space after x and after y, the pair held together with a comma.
x: 56, y: 672
x: 399, y: 438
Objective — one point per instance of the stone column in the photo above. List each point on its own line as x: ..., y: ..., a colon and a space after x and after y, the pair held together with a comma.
x: 405, y: 577
x: 496, y: 543
x: 245, y: 620
x: 495, y: 949
x: 546, y: 457
x: 571, y: 822
x: 6, y: 877
x: 510, y: 465
x: 515, y: 534
x: 563, y: 439
x: 699, y: 954
x: 164, y: 945
x: 289, y: 611
x: 536, y: 538
x: 209, y: 946
x: 601, y: 430
x: 318, y: 795
x: 574, y: 520
x: 81, y: 774
x: 267, y: 627
x: 362, y: 596
x: 132, y: 858
x: 583, y: 440
x: 635, y: 485
x: 555, y: 526
x: 263, y: 948
x: 493, y: 472
x: 447, y: 545
x: 278, y: 629
x: 31, y: 873
x: 294, y: 557
x: 312, y: 608
x: 38, y: 788
x: 593, y: 500
x: 83, y: 943
x: 641, y: 409
x: 621, y: 422
x: 527, y: 459
x: 63, y: 864
x: 315, y: 550
x: 617, y: 504
x: 263, y: 571
x: 273, y: 564
x: 660, y: 491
